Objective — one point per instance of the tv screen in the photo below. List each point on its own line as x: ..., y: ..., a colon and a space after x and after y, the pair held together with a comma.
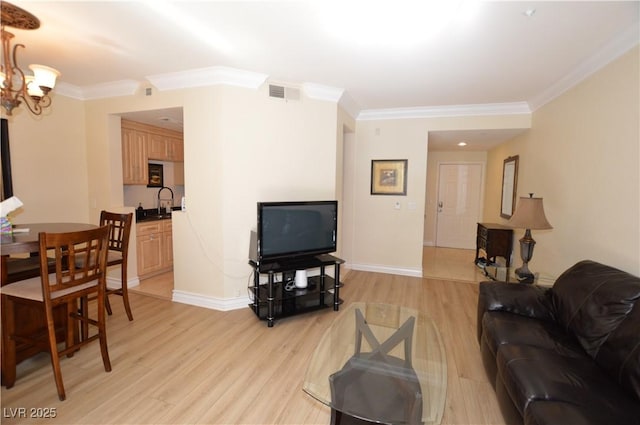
x: 294, y: 229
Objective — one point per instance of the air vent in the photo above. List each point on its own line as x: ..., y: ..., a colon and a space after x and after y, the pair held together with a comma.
x: 276, y: 91
x: 281, y: 92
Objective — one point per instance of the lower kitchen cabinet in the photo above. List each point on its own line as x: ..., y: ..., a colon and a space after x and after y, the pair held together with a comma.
x: 154, y: 244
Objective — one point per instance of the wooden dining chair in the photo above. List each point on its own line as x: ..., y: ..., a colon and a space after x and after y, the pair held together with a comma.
x: 70, y: 285
x: 118, y: 254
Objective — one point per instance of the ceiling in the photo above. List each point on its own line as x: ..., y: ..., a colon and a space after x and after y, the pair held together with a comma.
x: 386, y: 55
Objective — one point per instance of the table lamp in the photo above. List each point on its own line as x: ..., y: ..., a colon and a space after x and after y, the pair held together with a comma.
x: 529, y: 215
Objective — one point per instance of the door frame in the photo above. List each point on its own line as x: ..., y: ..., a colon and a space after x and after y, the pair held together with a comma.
x: 483, y: 178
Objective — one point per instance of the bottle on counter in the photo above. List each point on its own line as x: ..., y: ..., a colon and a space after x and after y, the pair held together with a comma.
x: 139, y: 211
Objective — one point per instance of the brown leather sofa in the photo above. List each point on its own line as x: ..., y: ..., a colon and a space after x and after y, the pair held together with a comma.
x: 569, y: 354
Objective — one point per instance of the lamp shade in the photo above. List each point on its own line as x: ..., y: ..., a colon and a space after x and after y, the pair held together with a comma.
x: 529, y: 214
x: 44, y: 76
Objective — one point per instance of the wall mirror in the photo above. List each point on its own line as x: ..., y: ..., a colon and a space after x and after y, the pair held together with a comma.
x: 509, y: 186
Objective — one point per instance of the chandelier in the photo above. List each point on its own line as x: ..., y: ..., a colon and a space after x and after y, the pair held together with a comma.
x: 18, y: 87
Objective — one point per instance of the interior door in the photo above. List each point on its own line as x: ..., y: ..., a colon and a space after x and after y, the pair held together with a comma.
x: 459, y: 194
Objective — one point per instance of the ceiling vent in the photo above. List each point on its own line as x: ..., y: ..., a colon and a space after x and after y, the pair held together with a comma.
x: 282, y: 92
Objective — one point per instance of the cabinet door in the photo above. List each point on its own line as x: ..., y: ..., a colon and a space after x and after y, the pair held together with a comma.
x: 167, y: 247
x: 175, y: 148
x: 150, y: 253
x: 158, y: 147
x: 134, y: 157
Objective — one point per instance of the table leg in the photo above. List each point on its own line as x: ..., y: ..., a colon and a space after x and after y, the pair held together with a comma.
x: 8, y: 343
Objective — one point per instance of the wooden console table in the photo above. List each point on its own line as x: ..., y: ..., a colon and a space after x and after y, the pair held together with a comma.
x: 495, y: 240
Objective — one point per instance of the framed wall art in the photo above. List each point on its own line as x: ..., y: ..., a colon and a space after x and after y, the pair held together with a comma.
x: 509, y: 186
x: 156, y: 177
x: 389, y: 177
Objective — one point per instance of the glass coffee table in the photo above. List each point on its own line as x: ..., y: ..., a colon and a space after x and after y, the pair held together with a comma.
x: 380, y: 363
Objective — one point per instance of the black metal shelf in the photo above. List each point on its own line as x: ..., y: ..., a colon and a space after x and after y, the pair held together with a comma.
x: 322, y: 291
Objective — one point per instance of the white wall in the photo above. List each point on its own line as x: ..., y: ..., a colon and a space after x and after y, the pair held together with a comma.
x: 49, y: 167
x: 582, y: 156
x: 240, y: 148
x: 391, y: 240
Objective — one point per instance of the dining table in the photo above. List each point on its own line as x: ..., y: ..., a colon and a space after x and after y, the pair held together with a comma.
x: 28, y: 319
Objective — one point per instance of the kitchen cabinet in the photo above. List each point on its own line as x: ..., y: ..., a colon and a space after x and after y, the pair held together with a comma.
x: 165, y: 147
x: 134, y: 156
x: 167, y: 243
x: 154, y: 245
x: 142, y: 142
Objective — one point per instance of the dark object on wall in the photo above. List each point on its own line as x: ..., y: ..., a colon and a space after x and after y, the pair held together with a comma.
x: 509, y: 186
x: 389, y: 177
x: 156, y: 175
x: 7, y: 181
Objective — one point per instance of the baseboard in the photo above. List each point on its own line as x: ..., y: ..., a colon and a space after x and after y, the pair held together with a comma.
x: 116, y: 282
x: 213, y: 303
x: 428, y: 243
x: 376, y: 268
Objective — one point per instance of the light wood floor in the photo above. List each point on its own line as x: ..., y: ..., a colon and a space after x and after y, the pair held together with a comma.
x: 179, y: 364
x: 451, y: 264
x: 437, y: 263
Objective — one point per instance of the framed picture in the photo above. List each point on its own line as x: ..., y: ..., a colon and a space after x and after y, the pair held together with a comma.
x: 509, y: 185
x: 156, y: 178
x: 389, y: 177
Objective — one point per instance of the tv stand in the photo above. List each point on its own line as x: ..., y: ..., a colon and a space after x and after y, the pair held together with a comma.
x: 272, y: 300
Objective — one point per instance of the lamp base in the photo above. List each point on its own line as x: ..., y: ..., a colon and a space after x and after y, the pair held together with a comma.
x: 524, y: 276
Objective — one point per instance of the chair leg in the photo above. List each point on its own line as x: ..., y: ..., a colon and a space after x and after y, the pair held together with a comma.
x: 102, y: 332
x: 125, y: 291
x: 8, y: 343
x: 107, y: 304
x: 55, y: 358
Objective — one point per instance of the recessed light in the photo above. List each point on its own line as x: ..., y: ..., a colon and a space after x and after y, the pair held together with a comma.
x: 462, y: 144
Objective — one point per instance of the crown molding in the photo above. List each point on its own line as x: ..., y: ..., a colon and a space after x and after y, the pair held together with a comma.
x: 349, y: 105
x: 216, y: 75
x: 321, y: 92
x: 512, y: 108
x: 98, y: 91
x: 610, y: 52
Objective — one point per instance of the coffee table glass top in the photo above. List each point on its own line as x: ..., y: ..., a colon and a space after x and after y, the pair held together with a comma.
x: 381, y: 363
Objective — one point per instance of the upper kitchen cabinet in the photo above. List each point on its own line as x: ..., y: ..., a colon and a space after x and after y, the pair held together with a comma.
x: 165, y: 147
x: 134, y: 156
x: 141, y: 143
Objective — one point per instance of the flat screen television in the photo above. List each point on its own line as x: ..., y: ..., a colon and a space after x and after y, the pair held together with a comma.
x: 296, y: 229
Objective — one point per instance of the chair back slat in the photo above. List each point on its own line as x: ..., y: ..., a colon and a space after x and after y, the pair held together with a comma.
x: 80, y: 258
x: 120, y: 229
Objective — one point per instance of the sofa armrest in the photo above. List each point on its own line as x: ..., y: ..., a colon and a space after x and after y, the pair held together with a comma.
x: 522, y: 299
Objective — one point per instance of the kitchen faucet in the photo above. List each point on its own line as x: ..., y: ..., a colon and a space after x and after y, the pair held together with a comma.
x: 165, y: 199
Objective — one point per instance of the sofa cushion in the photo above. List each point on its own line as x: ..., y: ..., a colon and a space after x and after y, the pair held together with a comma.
x: 530, y: 374
x: 591, y: 300
x: 619, y: 356
x: 505, y: 328
x: 551, y: 412
x: 524, y: 300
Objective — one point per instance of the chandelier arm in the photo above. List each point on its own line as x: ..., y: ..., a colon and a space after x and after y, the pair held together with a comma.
x: 36, y: 108
x: 11, y: 97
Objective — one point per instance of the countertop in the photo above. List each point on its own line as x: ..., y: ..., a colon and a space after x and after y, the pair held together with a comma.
x: 153, y: 215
